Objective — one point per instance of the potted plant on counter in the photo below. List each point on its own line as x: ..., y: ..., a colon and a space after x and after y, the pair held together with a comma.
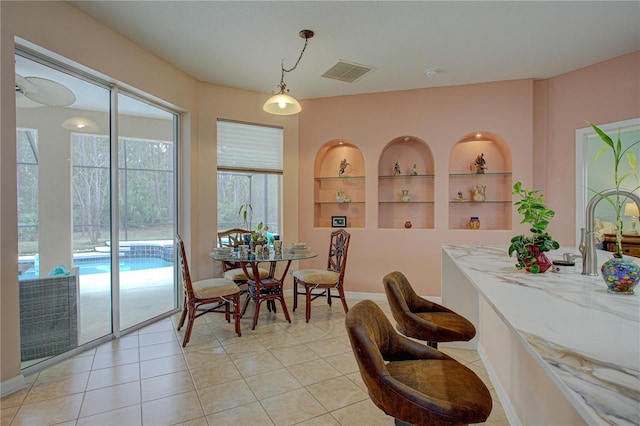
x: 620, y: 275
x: 530, y: 249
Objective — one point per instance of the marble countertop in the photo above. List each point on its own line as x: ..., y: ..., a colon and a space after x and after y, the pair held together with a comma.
x: 586, y: 339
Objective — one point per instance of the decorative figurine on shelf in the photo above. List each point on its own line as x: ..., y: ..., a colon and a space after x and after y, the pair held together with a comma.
x: 480, y: 164
x: 396, y: 169
x: 405, y: 195
x: 343, y: 166
x: 460, y: 196
x: 408, y: 224
x: 414, y: 171
x: 479, y: 192
x: 341, y: 197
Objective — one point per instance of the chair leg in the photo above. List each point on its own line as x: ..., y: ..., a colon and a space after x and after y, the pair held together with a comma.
x: 329, y: 296
x: 295, y: 294
x: 343, y: 299
x: 256, y: 312
x: 191, y: 320
x: 236, y: 313
x: 284, y: 307
x: 308, y: 310
x: 184, y: 313
x: 246, y: 303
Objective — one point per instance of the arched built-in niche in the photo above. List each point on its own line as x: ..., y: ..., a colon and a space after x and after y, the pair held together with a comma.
x: 339, y: 194
x: 406, y: 192
x: 465, y: 176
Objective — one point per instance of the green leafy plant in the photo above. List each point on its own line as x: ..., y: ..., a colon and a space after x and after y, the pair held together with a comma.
x: 617, y: 202
x: 534, y: 211
x: 260, y: 233
x: 245, y: 212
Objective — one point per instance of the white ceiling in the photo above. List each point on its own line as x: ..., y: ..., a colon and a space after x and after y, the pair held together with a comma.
x: 241, y: 43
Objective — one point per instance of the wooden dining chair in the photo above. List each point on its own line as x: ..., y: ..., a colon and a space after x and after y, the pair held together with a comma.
x: 267, y: 290
x: 202, y: 297
x: 320, y: 282
x: 232, y: 270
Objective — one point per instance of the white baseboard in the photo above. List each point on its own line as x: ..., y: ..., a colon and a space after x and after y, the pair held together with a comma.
x: 10, y: 386
x: 509, y: 410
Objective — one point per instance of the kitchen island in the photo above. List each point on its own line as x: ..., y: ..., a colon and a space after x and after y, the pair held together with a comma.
x: 560, y: 350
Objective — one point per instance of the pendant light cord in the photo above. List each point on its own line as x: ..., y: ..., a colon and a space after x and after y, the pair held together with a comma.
x: 282, y: 86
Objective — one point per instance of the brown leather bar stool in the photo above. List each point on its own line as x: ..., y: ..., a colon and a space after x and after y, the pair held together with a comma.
x: 421, y: 319
x: 418, y: 385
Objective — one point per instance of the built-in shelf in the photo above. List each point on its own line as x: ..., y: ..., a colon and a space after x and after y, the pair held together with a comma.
x: 327, y: 184
x: 496, y: 210
x: 338, y: 177
x: 479, y: 202
x: 481, y: 174
x: 415, y: 163
x: 405, y: 202
x: 405, y: 176
x: 337, y: 202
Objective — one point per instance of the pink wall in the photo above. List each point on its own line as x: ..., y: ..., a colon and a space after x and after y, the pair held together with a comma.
x: 601, y: 93
x: 537, y: 120
x: 440, y: 117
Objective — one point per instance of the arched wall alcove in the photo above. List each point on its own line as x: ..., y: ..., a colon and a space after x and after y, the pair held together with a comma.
x: 468, y: 181
x: 406, y: 184
x: 339, y: 196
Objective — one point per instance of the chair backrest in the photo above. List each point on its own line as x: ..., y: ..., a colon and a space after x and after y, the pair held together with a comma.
x: 338, y: 249
x: 231, y: 237
x: 402, y: 297
x: 371, y: 335
x: 399, y: 293
x: 184, y: 267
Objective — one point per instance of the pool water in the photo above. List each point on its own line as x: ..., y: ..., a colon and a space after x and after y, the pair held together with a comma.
x: 134, y: 264
x: 103, y: 265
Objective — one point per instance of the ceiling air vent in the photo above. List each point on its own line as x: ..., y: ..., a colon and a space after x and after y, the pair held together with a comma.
x: 347, y: 71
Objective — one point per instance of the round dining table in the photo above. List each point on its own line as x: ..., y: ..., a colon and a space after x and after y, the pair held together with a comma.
x: 269, y: 288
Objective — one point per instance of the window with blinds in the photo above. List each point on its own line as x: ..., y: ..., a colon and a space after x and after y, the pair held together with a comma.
x: 249, y: 173
x: 249, y: 147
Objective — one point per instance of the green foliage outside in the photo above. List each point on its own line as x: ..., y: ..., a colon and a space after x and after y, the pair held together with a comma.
x: 146, y: 191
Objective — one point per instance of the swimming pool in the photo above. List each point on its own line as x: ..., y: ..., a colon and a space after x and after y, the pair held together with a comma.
x: 100, y: 265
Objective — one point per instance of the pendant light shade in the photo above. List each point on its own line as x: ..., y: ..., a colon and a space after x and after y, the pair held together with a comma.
x: 282, y: 104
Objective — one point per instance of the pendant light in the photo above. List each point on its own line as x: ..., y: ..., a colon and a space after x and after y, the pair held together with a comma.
x: 281, y: 103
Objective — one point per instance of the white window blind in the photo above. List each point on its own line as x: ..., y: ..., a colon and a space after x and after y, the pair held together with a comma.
x: 249, y: 147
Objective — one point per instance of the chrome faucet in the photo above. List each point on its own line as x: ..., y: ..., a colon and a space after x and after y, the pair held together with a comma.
x: 589, y: 259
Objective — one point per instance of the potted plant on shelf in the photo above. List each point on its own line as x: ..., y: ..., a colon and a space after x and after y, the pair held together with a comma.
x: 620, y: 275
x: 530, y: 249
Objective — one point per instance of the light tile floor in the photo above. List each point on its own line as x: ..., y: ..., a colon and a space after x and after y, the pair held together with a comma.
x: 278, y: 374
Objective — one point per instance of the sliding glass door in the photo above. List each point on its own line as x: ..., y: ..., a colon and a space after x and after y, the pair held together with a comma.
x: 96, y: 208
x: 146, y: 153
